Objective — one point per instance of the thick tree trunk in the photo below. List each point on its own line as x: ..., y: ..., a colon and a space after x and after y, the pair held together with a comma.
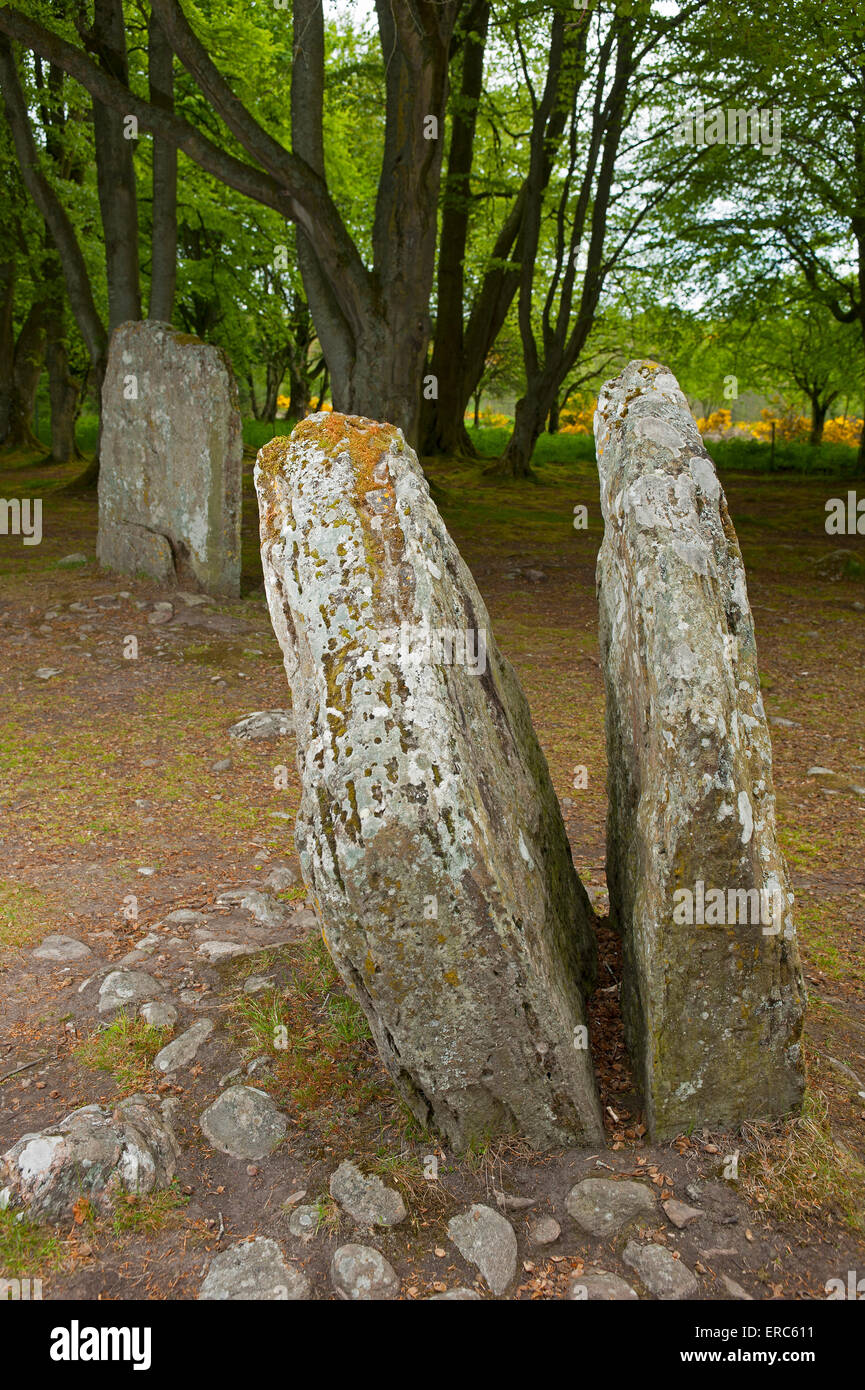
x: 443, y: 418
x: 62, y: 390
x: 7, y: 343
x: 553, y: 418
x: 298, y: 388
x: 26, y: 371
x: 115, y: 171
x: 163, y: 255
x: 477, y: 410
x: 529, y: 417
x: 275, y: 371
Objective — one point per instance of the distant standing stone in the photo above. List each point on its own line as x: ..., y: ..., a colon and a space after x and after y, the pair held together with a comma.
x: 253, y: 1270
x: 366, y: 1199
x: 486, y: 1239
x: 169, y: 503
x: 358, y: 1272
x: 244, y: 1122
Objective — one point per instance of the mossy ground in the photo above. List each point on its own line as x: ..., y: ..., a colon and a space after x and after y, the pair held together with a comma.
x: 107, y: 769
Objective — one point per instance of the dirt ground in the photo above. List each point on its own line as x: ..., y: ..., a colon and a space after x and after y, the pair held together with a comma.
x: 107, y: 771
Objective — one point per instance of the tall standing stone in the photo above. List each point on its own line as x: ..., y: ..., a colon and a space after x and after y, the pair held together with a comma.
x: 172, y: 453
x: 429, y: 831
x: 713, y: 1005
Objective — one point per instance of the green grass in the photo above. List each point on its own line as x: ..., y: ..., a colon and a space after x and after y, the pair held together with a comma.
x: 26, y: 1249
x: 24, y: 914
x: 125, y: 1049
x: 144, y: 1215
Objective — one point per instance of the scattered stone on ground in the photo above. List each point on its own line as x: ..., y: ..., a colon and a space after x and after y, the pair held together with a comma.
x: 124, y: 987
x: 159, y: 1013
x: 544, y: 1231
x: 255, y: 1270
x: 603, y: 1206
x: 265, y: 723
x: 244, y: 1122
x: 665, y: 1277
x: 304, y: 1222
x: 181, y: 1051
x: 358, y: 1272
x: 366, y: 1199
x: 680, y: 1213
x: 597, y: 1285
x: 61, y: 948
x: 486, y: 1239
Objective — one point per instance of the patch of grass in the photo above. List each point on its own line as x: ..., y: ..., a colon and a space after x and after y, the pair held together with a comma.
x: 125, y: 1049
x: 795, y: 1168
x: 142, y: 1215
x: 24, y: 914
x: 26, y: 1249
x: 317, y: 1036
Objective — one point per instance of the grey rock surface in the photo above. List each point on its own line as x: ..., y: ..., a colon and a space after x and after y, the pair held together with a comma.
x: 429, y: 830
x: 712, y: 1008
x: 365, y: 1198
x: 180, y: 1052
x: 665, y: 1277
x: 61, y: 948
x: 169, y: 493
x: 95, y: 1152
x: 599, y: 1285
x: 486, y: 1238
x: 123, y: 987
x: 361, y: 1273
x: 603, y: 1206
x: 255, y: 1270
x: 244, y: 1122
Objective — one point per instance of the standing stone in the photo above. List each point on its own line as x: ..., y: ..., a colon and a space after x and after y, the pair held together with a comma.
x: 172, y: 452
x: 429, y: 832
x: 712, y: 1003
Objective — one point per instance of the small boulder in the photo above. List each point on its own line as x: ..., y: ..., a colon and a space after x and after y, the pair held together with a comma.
x: 486, y: 1239
x: 265, y: 723
x: 61, y: 948
x: 598, y: 1285
x: 251, y: 1271
x: 158, y: 1013
x: 244, y: 1122
x: 665, y: 1277
x: 602, y: 1207
x: 366, y: 1199
x: 95, y: 1152
x: 124, y: 987
x: 182, y: 1050
x: 358, y: 1272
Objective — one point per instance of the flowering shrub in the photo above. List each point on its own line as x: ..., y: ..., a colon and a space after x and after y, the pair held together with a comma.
x: 577, y: 419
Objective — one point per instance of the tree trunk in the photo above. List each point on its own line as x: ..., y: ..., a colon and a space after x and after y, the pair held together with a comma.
x: 443, y: 418
x: 529, y: 417
x: 275, y: 371
x: 818, y: 420
x: 62, y: 387
x: 478, y: 409
x: 553, y: 418
x: 115, y: 171
x: 163, y: 255
x: 26, y: 371
x: 7, y: 343
x: 298, y: 387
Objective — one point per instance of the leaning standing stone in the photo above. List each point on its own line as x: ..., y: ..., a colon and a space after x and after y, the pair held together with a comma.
x: 429, y: 830
x: 712, y: 994
x: 172, y: 453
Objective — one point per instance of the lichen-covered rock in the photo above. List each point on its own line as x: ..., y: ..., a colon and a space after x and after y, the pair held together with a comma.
x: 96, y: 1153
x: 712, y: 995
x: 429, y: 831
x: 172, y: 452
